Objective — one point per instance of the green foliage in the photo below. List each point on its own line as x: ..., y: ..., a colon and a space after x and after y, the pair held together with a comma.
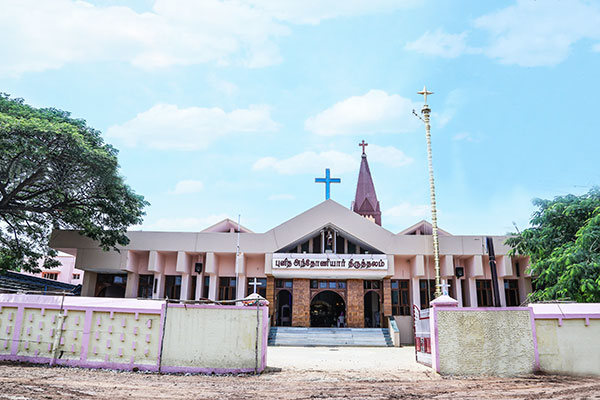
x: 563, y: 244
x: 56, y: 172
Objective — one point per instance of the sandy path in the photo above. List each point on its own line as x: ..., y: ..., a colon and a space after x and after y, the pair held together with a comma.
x: 306, y: 373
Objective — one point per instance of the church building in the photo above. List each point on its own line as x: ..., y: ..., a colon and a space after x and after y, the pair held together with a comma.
x: 325, y: 262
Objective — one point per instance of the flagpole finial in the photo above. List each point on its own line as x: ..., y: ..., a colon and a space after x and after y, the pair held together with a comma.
x: 424, y: 92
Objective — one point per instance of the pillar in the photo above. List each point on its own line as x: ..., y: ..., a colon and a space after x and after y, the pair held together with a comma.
x: 133, y: 280
x: 416, y: 293
x: 355, y: 305
x: 502, y: 292
x: 159, y: 284
x: 213, y: 287
x: 301, y: 303
x: 387, y: 298
x: 271, y: 297
x: 88, y: 286
x: 185, y: 286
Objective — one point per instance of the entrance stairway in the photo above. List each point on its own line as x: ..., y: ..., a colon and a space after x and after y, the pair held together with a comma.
x: 329, y: 337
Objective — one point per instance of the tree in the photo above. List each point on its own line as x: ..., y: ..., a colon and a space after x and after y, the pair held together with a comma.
x: 57, y: 172
x: 563, y: 244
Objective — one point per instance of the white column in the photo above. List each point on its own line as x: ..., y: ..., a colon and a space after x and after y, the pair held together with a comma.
x: 159, y: 279
x: 416, y: 292
x: 472, y: 292
x: 502, y: 292
x: 199, y: 284
x: 185, y: 286
x: 213, y: 287
x: 458, y: 291
x: 131, y: 289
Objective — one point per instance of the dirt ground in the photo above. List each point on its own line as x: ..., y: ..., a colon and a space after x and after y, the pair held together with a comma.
x: 294, y: 373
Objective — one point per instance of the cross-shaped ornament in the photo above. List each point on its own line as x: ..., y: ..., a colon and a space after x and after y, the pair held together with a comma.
x: 424, y: 92
x: 445, y: 286
x: 255, y: 284
x: 328, y: 180
x: 363, y: 144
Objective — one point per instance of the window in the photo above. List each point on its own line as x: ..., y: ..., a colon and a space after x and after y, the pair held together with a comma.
x: 400, y: 297
x: 288, y: 283
x: 318, y: 284
x: 511, y: 291
x: 205, y: 287
x: 261, y: 289
x: 339, y: 244
x: 76, y: 276
x: 173, y: 286
x: 317, y: 244
x: 427, y: 291
x: 145, y: 284
x: 351, y: 248
x: 371, y: 284
x: 50, y: 275
x: 227, y: 288
x: 304, y: 247
x: 484, y: 293
x: 193, y: 279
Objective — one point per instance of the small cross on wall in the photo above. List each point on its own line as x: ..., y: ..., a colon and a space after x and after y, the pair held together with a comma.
x: 254, y: 284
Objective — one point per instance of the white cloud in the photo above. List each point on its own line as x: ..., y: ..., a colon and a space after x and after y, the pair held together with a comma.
x: 187, y: 187
x: 536, y: 33
x: 409, y: 210
x: 185, y: 224
x: 284, y: 196
x: 309, y: 162
x: 337, y: 161
x: 51, y: 33
x: 388, y: 155
x: 374, y: 112
x: 166, y: 126
x: 529, y: 33
x: 223, y: 86
x: 463, y: 136
x: 440, y: 43
x: 405, y: 214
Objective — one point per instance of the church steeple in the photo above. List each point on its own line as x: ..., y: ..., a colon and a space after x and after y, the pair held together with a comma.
x: 365, y: 202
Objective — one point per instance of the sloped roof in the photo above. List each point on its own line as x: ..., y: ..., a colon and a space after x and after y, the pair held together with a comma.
x: 13, y: 282
x: 422, y: 228
x: 330, y: 212
x: 225, y: 226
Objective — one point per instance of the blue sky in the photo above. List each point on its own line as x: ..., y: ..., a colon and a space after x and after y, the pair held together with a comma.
x: 220, y: 108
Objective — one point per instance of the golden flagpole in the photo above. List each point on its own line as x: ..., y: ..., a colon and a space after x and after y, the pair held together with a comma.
x: 426, y: 111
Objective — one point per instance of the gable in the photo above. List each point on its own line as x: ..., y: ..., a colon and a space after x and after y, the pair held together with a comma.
x: 331, y: 214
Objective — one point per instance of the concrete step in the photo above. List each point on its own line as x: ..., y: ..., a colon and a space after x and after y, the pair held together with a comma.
x: 330, y: 337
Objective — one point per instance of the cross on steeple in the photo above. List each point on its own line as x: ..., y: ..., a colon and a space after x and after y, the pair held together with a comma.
x: 328, y: 180
x: 254, y: 284
x: 363, y: 144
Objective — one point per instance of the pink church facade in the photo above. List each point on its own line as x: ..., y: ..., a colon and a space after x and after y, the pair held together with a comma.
x: 326, y: 262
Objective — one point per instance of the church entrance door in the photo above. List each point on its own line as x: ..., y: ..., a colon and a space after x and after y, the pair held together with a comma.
x: 372, y: 311
x: 325, y: 308
x: 284, y: 309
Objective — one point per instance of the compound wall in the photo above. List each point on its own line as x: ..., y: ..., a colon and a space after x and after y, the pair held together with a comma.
x: 568, y: 338
x: 129, y: 334
x: 479, y: 341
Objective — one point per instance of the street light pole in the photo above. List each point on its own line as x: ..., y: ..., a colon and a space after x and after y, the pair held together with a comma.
x: 426, y: 111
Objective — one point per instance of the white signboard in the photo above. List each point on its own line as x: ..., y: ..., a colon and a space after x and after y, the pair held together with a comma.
x: 329, y: 261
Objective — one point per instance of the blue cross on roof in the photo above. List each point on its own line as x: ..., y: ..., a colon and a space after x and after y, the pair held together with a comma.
x: 328, y: 180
